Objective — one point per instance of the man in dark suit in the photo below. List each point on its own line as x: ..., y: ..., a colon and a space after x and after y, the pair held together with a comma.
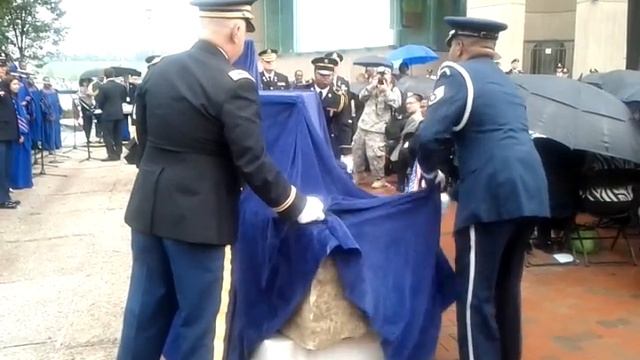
x: 110, y: 98
x: 8, y: 134
x: 334, y: 103
x: 502, y: 190
x: 271, y: 79
x: 199, y: 144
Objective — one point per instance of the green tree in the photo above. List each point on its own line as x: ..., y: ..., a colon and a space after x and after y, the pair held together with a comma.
x: 30, y: 30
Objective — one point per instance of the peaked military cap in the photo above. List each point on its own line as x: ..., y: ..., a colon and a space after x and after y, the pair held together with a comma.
x: 325, y: 65
x: 336, y: 55
x: 268, y: 54
x: 473, y: 27
x: 227, y: 9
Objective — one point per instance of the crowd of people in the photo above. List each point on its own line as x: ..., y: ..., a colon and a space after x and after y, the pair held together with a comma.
x: 108, y: 102
x: 370, y: 128
x: 29, y: 122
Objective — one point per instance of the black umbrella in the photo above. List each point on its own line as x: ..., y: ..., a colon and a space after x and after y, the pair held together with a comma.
x: 119, y: 72
x: 93, y: 73
x: 123, y: 71
x: 623, y: 84
x: 373, y: 61
x: 416, y: 84
x: 580, y: 116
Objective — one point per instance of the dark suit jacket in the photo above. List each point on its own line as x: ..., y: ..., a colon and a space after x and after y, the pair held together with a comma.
x: 8, y: 118
x: 110, y: 98
x: 131, y: 92
x: 200, y: 136
x: 280, y: 81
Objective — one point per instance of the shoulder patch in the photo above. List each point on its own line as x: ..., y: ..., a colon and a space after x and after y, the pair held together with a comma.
x: 436, y: 95
x: 236, y: 75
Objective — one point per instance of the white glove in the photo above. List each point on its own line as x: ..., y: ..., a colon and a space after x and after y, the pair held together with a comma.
x: 437, y: 178
x: 313, y: 211
x: 347, y: 160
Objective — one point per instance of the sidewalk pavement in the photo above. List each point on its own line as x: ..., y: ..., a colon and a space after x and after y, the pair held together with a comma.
x: 65, y: 263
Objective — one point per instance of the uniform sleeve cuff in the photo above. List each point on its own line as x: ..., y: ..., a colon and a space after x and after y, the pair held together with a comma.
x: 293, y: 206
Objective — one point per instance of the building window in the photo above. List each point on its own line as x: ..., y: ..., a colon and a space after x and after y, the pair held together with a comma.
x: 545, y: 56
x: 412, y: 13
x: 324, y: 25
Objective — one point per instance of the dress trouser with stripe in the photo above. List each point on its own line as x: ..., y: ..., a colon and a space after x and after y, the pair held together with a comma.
x: 489, y: 266
x: 174, y: 286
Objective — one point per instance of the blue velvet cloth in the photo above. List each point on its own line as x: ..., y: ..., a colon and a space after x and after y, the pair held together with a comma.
x: 386, y: 249
x: 248, y: 61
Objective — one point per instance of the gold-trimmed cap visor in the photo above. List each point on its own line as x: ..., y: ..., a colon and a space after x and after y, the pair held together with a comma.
x: 227, y: 9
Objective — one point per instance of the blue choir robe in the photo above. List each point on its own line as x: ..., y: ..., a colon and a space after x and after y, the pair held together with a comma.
x: 35, y: 115
x: 124, y: 130
x: 52, y: 115
x: 20, y: 173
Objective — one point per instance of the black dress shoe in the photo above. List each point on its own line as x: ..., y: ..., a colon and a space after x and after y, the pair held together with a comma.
x: 110, y: 159
x: 9, y: 205
x: 17, y: 202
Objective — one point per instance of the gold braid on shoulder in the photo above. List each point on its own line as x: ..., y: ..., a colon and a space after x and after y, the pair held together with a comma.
x: 343, y: 98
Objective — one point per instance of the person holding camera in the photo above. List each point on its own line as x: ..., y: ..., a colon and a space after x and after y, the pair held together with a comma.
x: 381, y: 99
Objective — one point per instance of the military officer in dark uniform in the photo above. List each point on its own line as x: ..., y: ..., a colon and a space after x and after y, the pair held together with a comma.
x: 344, y: 85
x: 271, y: 79
x: 198, y: 144
x: 334, y: 103
x: 502, y: 188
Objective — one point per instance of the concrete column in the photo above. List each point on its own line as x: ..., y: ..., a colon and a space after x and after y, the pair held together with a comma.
x: 601, y: 35
x: 511, y: 12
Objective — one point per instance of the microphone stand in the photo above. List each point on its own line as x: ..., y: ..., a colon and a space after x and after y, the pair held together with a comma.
x: 75, y: 122
x: 43, y: 171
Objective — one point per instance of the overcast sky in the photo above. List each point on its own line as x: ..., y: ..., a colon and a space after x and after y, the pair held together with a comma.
x: 127, y: 27
x: 124, y: 28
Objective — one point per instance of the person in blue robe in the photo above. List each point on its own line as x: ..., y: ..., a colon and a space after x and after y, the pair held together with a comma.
x: 20, y: 174
x: 53, y: 113
x: 35, y: 112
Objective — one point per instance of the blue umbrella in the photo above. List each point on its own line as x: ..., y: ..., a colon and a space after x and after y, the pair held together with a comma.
x: 413, y: 55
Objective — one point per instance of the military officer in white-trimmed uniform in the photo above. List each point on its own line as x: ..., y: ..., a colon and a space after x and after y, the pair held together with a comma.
x: 502, y: 188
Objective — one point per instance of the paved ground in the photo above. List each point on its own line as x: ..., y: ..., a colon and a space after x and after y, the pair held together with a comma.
x: 570, y: 312
x: 65, y: 263
x: 65, y: 260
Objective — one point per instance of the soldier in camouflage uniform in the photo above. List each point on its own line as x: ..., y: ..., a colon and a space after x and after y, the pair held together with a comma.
x: 381, y: 99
